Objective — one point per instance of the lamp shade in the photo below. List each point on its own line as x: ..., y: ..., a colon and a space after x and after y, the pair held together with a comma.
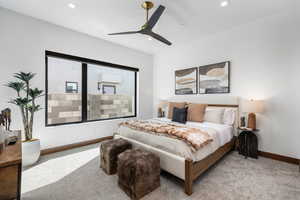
x: 253, y: 106
x: 163, y: 103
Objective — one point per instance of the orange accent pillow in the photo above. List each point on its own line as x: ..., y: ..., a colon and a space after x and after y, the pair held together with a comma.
x: 196, y: 112
x: 172, y: 105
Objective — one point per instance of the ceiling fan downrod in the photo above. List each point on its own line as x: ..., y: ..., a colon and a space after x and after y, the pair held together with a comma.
x: 147, y: 5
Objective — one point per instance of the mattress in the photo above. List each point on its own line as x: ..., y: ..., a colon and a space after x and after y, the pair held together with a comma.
x: 220, y: 133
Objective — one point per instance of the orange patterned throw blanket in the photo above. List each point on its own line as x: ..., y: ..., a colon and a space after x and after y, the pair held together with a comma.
x: 194, y: 137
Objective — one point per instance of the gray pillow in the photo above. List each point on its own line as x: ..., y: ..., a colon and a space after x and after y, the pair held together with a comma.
x: 179, y: 115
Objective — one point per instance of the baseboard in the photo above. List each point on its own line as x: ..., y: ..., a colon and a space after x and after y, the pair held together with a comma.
x: 75, y: 145
x: 279, y: 157
x: 89, y: 142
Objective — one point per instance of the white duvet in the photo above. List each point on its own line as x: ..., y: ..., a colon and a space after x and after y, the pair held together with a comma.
x: 220, y: 133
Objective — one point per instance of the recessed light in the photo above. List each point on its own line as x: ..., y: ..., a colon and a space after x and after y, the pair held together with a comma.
x: 72, y: 5
x: 224, y: 3
x: 149, y: 38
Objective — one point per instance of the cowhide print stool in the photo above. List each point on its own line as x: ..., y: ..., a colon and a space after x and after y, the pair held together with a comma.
x: 109, y: 151
x: 139, y: 172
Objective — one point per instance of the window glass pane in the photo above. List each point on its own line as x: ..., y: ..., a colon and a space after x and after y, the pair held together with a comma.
x: 111, y: 92
x: 64, y: 91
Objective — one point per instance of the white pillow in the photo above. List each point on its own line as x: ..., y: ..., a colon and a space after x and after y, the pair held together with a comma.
x: 214, y: 115
x: 229, y: 116
x: 166, y: 110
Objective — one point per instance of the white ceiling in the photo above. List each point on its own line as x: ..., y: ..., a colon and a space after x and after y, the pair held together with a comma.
x: 181, y: 21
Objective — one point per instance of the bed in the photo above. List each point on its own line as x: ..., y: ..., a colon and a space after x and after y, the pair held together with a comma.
x: 175, y: 155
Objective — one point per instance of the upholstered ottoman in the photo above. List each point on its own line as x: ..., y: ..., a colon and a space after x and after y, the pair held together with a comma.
x: 109, y: 151
x: 139, y: 172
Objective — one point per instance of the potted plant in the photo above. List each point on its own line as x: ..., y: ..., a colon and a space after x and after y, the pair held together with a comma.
x: 26, y: 101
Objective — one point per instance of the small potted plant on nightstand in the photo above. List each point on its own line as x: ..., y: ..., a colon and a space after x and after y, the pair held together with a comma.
x: 26, y: 101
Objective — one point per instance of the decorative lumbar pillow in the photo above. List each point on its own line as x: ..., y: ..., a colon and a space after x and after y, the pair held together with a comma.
x: 196, y: 112
x: 214, y: 115
x: 229, y: 116
x: 172, y: 105
x: 179, y: 115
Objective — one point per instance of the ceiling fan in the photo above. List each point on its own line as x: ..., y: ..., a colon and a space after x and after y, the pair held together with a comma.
x: 146, y: 29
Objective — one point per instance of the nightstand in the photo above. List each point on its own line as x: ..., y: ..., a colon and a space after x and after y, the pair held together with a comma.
x: 11, y: 171
x: 247, y: 143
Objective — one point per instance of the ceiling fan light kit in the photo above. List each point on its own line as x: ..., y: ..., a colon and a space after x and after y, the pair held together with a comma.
x: 146, y: 29
x: 147, y: 5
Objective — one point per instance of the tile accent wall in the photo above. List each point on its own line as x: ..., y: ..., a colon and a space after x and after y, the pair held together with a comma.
x: 64, y: 108
x: 109, y: 106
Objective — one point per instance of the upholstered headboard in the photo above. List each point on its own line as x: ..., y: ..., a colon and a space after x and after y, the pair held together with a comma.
x: 235, y: 107
x: 214, y: 102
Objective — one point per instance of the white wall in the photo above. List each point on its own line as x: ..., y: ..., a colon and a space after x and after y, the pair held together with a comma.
x: 265, y: 59
x: 23, y: 41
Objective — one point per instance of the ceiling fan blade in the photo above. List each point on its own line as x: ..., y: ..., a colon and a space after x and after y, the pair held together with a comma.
x: 155, y: 17
x: 125, y: 33
x: 158, y: 37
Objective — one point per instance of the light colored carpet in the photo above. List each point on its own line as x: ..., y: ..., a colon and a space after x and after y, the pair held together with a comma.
x: 75, y: 175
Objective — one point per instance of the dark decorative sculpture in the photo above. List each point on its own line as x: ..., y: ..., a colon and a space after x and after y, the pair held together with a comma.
x: 243, y: 121
x: 248, y: 145
x: 5, y: 118
x: 2, y: 120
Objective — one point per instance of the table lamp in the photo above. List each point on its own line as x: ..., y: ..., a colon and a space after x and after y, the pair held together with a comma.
x: 162, y: 105
x: 252, y: 107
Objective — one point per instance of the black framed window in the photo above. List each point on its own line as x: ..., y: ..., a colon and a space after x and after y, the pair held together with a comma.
x: 81, y: 90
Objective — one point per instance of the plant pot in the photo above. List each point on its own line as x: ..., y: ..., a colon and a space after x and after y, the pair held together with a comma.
x: 31, y: 151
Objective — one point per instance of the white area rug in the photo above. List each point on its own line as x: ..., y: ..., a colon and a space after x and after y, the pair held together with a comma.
x: 75, y: 175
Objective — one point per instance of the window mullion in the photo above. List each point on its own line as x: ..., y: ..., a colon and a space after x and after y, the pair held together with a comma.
x: 84, y: 97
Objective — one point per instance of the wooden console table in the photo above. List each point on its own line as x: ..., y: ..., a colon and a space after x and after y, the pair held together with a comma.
x: 10, y: 172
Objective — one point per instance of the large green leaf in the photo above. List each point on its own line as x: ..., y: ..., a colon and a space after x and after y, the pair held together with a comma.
x: 23, y: 102
x: 26, y: 77
x: 34, y: 93
x: 18, y: 86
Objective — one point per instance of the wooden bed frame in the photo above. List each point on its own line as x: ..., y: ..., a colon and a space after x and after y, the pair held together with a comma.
x: 194, y: 169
